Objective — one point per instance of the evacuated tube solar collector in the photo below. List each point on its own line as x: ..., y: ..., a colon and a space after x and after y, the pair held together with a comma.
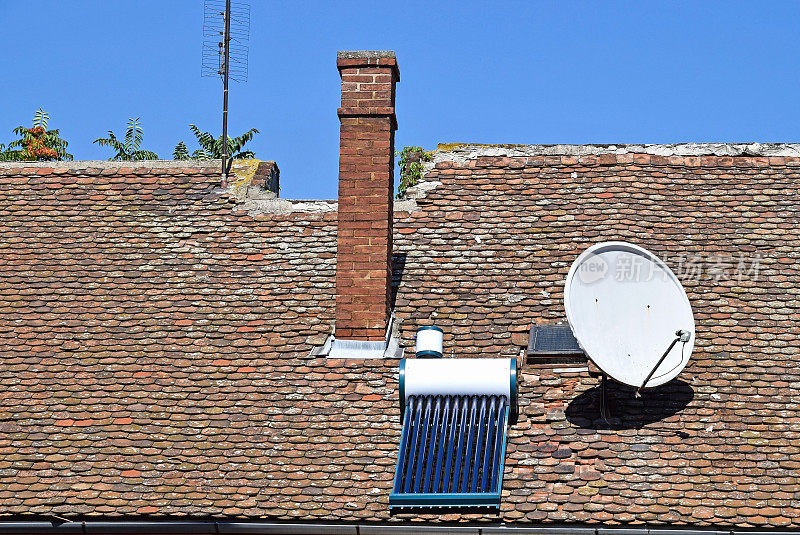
x: 456, y: 414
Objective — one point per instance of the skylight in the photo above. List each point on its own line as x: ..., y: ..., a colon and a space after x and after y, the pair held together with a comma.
x: 554, y: 344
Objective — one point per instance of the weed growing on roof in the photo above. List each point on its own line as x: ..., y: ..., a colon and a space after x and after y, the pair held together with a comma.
x: 410, y: 163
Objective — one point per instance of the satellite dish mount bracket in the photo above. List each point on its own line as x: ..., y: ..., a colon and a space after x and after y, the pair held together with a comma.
x: 680, y: 336
x: 605, y: 411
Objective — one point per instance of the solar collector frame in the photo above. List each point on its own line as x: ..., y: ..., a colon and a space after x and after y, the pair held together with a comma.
x: 452, y: 451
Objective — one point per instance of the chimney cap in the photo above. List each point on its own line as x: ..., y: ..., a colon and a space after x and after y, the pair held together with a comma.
x: 349, y: 59
x: 364, y: 54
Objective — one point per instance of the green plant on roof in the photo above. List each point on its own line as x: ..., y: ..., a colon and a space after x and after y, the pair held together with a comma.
x: 211, y: 148
x: 130, y: 148
x: 36, y: 143
x: 410, y: 164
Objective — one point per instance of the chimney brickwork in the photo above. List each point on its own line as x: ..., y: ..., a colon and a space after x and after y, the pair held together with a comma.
x: 366, y: 191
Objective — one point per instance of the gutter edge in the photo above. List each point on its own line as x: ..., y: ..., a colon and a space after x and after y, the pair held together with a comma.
x: 212, y: 527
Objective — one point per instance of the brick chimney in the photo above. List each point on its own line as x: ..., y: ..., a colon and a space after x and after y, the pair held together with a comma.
x: 366, y: 191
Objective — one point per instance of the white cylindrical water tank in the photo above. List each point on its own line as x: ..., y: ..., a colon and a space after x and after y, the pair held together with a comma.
x: 459, y: 377
x: 430, y: 341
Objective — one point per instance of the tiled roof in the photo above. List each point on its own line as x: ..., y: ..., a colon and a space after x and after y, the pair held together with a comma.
x: 155, y: 340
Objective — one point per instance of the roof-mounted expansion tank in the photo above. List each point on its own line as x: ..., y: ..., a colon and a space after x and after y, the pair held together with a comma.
x: 430, y: 341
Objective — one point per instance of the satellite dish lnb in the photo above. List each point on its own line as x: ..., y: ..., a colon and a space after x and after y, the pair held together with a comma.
x: 629, y: 313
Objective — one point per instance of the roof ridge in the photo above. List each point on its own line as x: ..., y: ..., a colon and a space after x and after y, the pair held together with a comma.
x: 105, y: 164
x: 475, y: 150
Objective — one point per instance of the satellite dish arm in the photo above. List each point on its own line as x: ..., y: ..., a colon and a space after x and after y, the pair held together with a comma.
x: 682, y: 336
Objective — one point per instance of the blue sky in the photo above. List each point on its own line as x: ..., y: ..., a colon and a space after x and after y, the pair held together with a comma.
x: 488, y: 72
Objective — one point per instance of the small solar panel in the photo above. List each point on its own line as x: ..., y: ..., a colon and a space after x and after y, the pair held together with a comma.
x: 553, y: 341
x: 452, y: 452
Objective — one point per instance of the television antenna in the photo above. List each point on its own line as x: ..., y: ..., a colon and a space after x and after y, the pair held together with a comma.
x: 226, y: 36
x: 630, y: 314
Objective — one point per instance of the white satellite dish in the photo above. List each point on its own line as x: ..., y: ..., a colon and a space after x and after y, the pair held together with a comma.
x: 629, y: 313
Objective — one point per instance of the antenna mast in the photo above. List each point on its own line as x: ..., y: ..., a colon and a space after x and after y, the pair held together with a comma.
x: 225, y: 71
x: 225, y: 55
